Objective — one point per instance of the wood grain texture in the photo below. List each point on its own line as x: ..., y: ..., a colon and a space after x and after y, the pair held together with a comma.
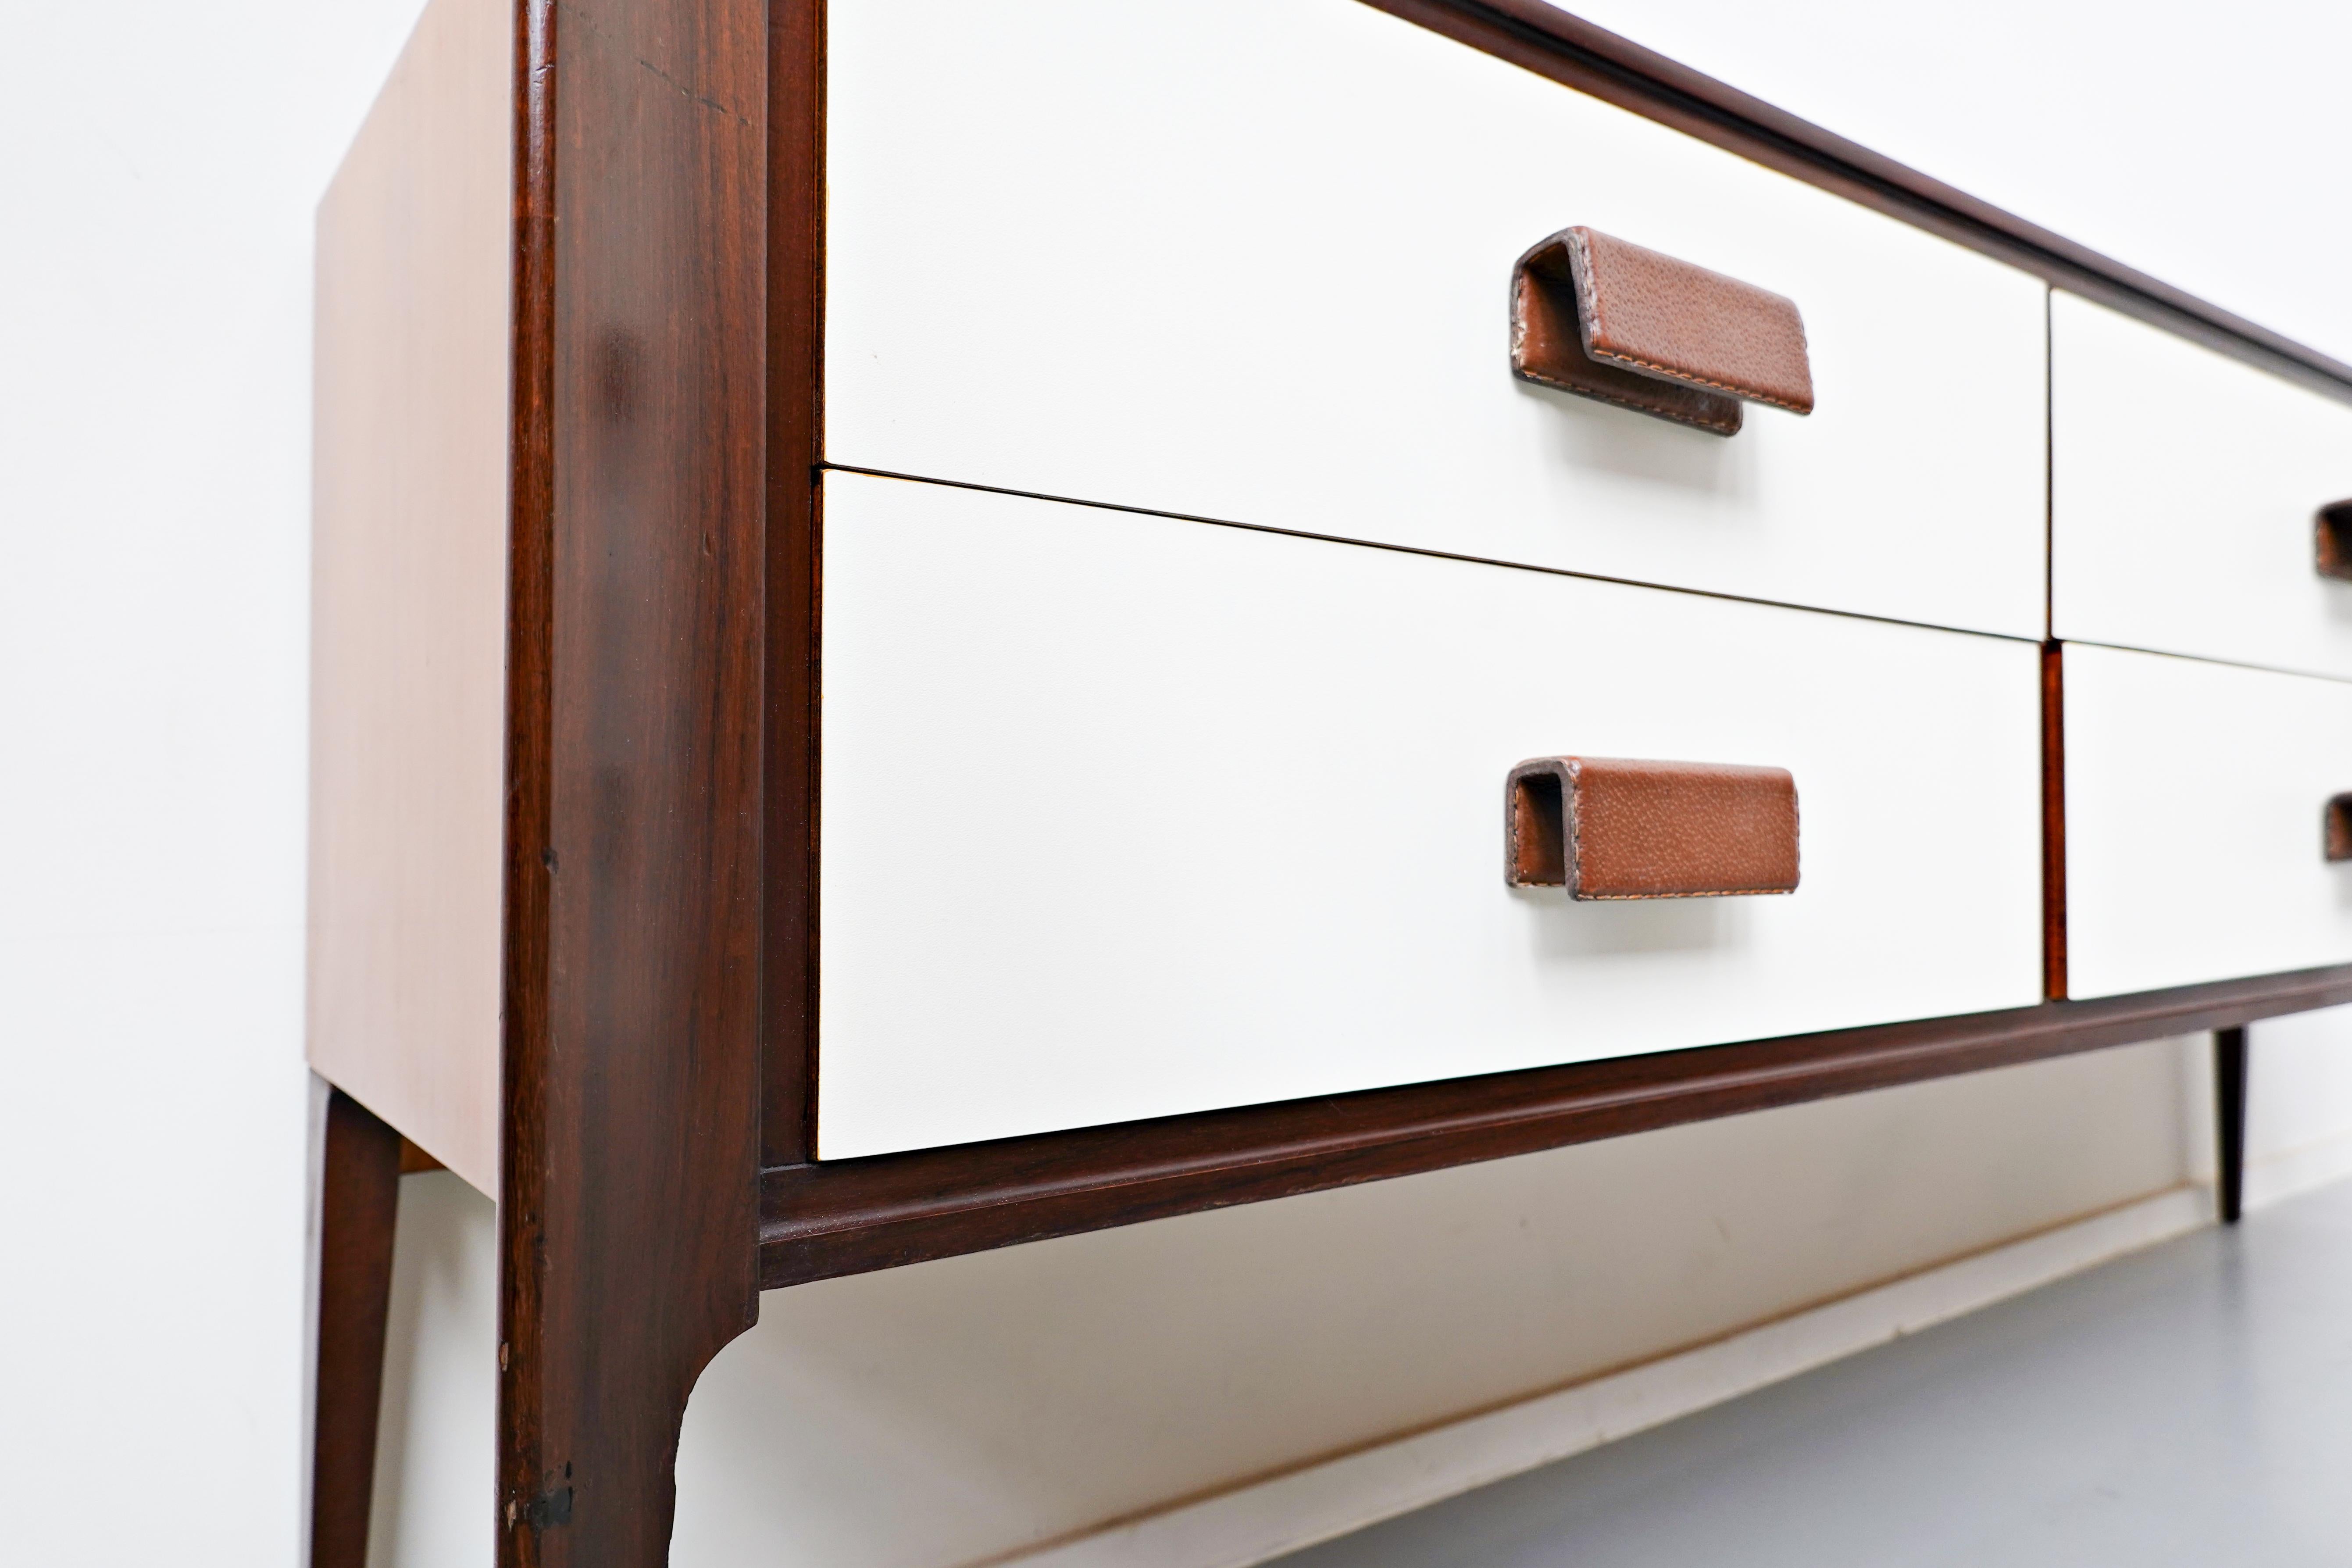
x: 631, y: 1155
x: 795, y: 554
x: 409, y: 594
x: 1551, y: 42
x: 2053, y: 822
x: 849, y: 1216
x: 359, y: 1203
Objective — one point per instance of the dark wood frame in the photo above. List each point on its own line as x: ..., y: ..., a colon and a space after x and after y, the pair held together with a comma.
x: 630, y: 1134
x: 359, y: 1203
x: 661, y: 876
x: 2231, y: 1060
x: 848, y: 1216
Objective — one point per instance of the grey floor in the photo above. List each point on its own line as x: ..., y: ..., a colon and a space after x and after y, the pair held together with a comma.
x: 2192, y: 1404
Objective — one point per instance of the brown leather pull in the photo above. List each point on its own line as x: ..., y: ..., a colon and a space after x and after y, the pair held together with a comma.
x: 2333, y: 526
x: 1604, y: 318
x: 2335, y: 828
x: 1605, y: 827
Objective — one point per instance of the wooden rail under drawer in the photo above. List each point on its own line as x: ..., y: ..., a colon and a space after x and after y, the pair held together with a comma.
x: 847, y: 1216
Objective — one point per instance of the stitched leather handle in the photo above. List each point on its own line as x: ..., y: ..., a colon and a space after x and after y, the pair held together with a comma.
x: 1604, y: 319
x: 2335, y: 828
x: 2332, y: 528
x: 1606, y: 828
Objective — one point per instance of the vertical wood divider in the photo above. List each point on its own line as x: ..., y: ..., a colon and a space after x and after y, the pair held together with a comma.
x: 796, y: 574
x: 628, y: 1213
x: 2053, y: 822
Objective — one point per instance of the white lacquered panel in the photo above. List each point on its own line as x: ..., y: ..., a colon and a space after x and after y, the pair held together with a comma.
x: 2194, y: 801
x: 1249, y: 259
x: 2184, y: 487
x: 1125, y: 816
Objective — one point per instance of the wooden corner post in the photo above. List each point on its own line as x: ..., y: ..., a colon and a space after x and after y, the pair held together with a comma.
x: 630, y: 1094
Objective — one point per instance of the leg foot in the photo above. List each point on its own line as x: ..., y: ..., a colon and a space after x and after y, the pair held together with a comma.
x: 2230, y: 1113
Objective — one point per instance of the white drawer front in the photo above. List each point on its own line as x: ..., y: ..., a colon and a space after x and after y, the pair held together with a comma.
x: 1249, y: 259
x: 2183, y: 491
x: 1125, y: 816
x: 2194, y: 801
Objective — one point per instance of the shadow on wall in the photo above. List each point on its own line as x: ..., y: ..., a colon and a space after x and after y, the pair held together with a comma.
x: 955, y: 1411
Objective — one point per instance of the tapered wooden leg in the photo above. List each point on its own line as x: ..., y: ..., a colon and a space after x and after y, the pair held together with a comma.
x: 361, y: 1200
x: 2230, y: 1117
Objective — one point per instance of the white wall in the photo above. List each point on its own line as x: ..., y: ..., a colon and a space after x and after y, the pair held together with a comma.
x: 954, y: 1411
x: 2298, y: 1104
x: 160, y: 167
x: 436, y: 1448
x: 2197, y: 141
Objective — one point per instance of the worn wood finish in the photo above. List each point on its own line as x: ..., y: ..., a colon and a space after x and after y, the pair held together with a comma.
x: 2230, y: 1062
x: 631, y: 1149
x: 1568, y: 49
x: 847, y: 1216
x: 359, y: 1202
x: 796, y: 546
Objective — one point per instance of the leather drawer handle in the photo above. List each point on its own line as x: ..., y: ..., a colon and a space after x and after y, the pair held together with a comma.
x: 1604, y: 318
x: 2332, y: 525
x: 2335, y: 828
x: 1606, y: 828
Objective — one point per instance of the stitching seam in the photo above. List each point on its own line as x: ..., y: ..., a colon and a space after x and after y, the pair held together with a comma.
x: 1687, y: 379
x: 1702, y: 893
x: 1660, y: 409
x: 1580, y: 252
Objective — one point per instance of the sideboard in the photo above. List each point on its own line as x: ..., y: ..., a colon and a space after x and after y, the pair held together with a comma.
x: 939, y: 624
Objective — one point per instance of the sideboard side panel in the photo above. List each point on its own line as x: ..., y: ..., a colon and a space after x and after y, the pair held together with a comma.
x: 408, y: 577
